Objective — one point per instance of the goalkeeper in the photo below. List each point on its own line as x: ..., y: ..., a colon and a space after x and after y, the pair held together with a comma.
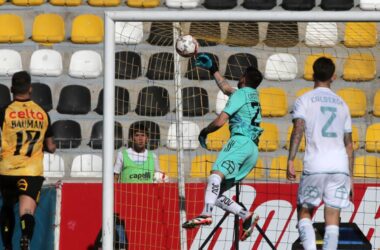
x: 238, y: 157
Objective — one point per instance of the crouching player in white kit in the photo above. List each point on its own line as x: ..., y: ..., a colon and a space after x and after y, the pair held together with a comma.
x: 328, y: 161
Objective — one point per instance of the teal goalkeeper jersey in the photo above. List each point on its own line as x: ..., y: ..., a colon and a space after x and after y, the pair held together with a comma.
x: 244, y: 110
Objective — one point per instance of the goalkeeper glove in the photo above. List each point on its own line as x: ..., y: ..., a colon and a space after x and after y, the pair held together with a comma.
x: 202, y: 138
x: 204, y: 61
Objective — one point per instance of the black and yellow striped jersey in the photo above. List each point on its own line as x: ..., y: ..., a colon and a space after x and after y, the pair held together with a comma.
x: 24, y: 127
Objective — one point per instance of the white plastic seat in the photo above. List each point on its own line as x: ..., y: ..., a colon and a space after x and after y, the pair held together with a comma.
x: 87, y: 165
x: 85, y: 64
x: 370, y: 4
x: 186, y: 4
x: 10, y: 62
x: 281, y: 67
x: 54, y: 165
x: 128, y: 32
x: 46, y: 62
x: 190, y: 136
x: 320, y: 34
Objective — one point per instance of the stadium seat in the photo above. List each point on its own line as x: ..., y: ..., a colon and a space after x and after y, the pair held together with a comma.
x: 237, y: 64
x: 104, y: 3
x: 87, y: 165
x: 259, y: 4
x: 359, y: 67
x: 190, y: 136
x: 128, y: 32
x: 5, y: 96
x: 194, y: 101
x: 281, y: 67
x: 302, y: 144
x: 10, y: 62
x: 67, y: 134
x: 337, y: 4
x: 207, y: 34
x: 308, y: 70
x: 216, y: 140
x: 54, y: 166
x: 48, y: 28
x: 121, y: 101
x: 1, y: 3
x: 367, y: 167
x: 74, y: 100
x: 287, y: 31
x: 186, y: 4
x: 196, y: 73
x: 372, y: 138
x: 360, y: 34
x: 41, y: 94
x: 201, y: 166
x: 161, y: 66
x: 370, y: 4
x: 11, y: 33
x: 87, y: 28
x: 220, y: 4
x: 127, y: 65
x: 66, y: 2
x: 269, y: 139
x: 355, y: 137
x: 258, y: 172
x: 321, y: 34
x: 273, y: 102
x: 278, y: 167
x: 376, y: 104
x: 169, y: 165
x: 46, y: 62
x: 221, y: 101
x: 161, y: 34
x: 242, y: 34
x: 355, y: 99
x: 143, y: 3
x: 153, y: 133
x: 153, y: 101
x: 96, y: 139
x: 303, y: 91
x: 27, y: 2
x: 85, y: 64
x: 298, y: 4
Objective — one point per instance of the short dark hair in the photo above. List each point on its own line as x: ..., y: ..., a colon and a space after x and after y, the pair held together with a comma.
x: 324, y: 69
x: 139, y: 128
x: 21, y: 82
x: 253, y: 77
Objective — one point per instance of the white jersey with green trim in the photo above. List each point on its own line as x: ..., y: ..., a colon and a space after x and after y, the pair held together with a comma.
x: 327, y: 118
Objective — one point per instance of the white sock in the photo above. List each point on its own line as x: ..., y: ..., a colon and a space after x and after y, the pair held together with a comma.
x: 330, y: 241
x: 307, y: 234
x: 212, y: 193
x: 231, y: 206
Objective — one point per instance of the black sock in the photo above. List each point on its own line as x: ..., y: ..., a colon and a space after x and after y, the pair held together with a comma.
x: 27, y: 225
x: 7, y: 222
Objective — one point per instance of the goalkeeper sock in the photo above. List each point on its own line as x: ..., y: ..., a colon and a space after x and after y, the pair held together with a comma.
x: 330, y: 240
x: 307, y: 234
x: 27, y: 225
x: 231, y: 206
x: 7, y: 222
x: 212, y: 193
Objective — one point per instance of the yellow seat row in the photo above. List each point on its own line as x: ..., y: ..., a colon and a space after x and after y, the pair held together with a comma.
x: 105, y: 3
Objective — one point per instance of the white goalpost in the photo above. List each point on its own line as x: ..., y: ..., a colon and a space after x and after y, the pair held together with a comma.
x: 176, y: 16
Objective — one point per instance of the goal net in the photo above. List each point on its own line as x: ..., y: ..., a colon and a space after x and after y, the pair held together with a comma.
x: 173, y: 100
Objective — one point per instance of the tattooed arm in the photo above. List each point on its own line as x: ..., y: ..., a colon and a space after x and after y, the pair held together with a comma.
x: 223, y: 85
x: 295, y: 140
x: 350, y: 152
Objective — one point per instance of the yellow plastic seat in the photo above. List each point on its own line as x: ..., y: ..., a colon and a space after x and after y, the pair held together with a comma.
x: 104, y: 3
x: 367, y: 167
x: 87, y: 28
x: 303, y: 91
x: 2, y: 2
x: 355, y: 137
x: 143, y: 3
x: 216, y: 140
x: 372, y: 138
x: 359, y: 67
x: 48, y: 28
x: 269, y: 139
x: 27, y: 2
x: 11, y: 33
x: 201, y: 166
x: 258, y: 172
x: 376, y: 104
x: 66, y: 2
x: 360, y: 34
x: 308, y: 69
x: 278, y: 167
x: 168, y: 165
x: 355, y: 99
x: 273, y: 102
x: 302, y: 144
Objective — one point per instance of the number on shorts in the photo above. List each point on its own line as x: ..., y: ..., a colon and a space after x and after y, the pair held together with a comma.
x: 332, y: 117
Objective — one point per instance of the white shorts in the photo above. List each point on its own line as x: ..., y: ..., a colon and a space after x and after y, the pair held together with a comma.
x: 333, y: 189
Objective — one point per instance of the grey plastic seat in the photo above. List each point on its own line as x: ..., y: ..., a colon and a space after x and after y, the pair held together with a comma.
x: 127, y: 65
x: 298, y: 4
x: 220, y: 4
x: 288, y: 31
x: 259, y: 4
x: 237, y: 64
x: 153, y: 101
x: 67, y: 134
x: 121, y: 101
x: 194, y: 101
x: 243, y: 34
x: 161, y: 66
x: 41, y: 94
x: 96, y: 140
x: 337, y: 4
x: 75, y: 100
x: 161, y: 34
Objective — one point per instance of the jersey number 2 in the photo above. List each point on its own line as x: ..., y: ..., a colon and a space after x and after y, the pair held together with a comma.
x: 31, y: 139
x: 325, y: 127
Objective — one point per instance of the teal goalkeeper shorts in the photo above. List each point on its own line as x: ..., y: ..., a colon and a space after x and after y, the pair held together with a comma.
x: 237, y: 158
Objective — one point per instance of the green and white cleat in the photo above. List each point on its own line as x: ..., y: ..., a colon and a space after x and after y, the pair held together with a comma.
x: 198, y: 221
x: 248, y: 225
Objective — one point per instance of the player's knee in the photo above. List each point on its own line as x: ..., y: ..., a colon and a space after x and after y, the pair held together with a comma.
x: 330, y: 240
x: 27, y: 225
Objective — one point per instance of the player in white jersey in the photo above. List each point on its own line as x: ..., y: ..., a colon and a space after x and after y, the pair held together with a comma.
x: 328, y: 162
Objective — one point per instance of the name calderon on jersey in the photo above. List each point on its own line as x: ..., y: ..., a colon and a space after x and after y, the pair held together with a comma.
x: 26, y: 119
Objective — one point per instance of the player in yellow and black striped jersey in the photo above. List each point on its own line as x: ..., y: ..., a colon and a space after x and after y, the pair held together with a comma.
x: 26, y: 133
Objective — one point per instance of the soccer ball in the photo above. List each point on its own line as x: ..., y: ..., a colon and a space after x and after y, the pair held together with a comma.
x: 187, y: 46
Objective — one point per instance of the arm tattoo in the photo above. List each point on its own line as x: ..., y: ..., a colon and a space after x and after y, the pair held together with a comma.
x: 350, y: 151
x: 296, y: 137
